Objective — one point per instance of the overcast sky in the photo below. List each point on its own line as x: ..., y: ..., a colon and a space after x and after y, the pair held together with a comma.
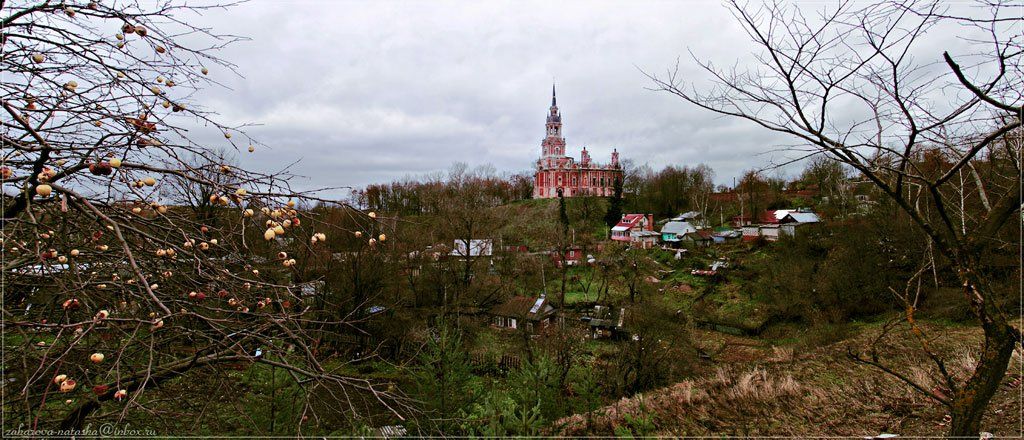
x: 372, y: 91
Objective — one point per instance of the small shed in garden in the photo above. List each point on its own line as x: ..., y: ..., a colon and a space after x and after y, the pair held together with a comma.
x: 697, y: 239
x: 607, y: 322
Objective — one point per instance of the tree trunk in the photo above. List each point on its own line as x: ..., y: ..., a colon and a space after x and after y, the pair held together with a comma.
x: 565, y: 273
x: 969, y: 403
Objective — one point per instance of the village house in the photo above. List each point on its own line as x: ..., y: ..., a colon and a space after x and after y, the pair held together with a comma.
x: 796, y: 220
x: 724, y: 234
x: 636, y: 228
x: 476, y: 248
x: 770, y: 232
x: 697, y: 239
x: 740, y: 221
x: 774, y: 216
x: 645, y: 239
x: 516, y: 248
x: 692, y: 217
x: 674, y: 230
x: 751, y: 232
x: 573, y: 257
x: 775, y: 224
x: 533, y: 313
x: 800, y: 217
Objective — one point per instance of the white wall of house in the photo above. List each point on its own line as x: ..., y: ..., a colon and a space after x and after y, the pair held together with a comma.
x: 788, y: 229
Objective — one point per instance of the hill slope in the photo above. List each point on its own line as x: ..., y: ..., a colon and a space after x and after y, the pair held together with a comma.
x: 758, y: 390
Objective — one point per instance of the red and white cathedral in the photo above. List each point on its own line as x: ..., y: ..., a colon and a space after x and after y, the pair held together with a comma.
x: 557, y: 172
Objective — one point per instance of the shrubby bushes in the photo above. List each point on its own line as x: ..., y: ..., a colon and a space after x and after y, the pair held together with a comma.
x: 555, y: 378
x: 835, y: 275
x: 851, y: 271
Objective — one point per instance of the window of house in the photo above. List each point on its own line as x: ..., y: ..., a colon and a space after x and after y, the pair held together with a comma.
x: 512, y: 322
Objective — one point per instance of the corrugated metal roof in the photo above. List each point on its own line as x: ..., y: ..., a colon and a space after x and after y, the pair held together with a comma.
x: 677, y: 227
x: 524, y: 307
x: 537, y: 304
x: 780, y: 213
x: 802, y: 217
x: 699, y: 235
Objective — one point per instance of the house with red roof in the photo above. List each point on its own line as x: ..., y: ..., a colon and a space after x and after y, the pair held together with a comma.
x: 573, y: 257
x: 774, y: 216
x: 635, y: 228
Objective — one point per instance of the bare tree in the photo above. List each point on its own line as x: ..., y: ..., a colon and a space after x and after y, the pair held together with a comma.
x: 467, y: 212
x: 108, y: 292
x: 849, y: 85
x: 202, y: 198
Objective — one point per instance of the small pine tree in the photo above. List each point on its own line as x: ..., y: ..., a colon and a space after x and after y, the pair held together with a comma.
x: 443, y: 378
x: 563, y: 216
x: 587, y: 391
x: 615, y: 205
x: 498, y: 415
x: 535, y: 385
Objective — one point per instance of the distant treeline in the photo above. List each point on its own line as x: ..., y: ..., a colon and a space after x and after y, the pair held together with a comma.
x: 664, y: 193
x: 425, y: 195
x: 668, y: 192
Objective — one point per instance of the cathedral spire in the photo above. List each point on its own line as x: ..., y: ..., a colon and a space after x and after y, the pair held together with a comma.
x: 554, y: 144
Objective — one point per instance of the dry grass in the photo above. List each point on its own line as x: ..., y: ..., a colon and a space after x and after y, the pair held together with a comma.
x: 746, y: 391
x: 782, y: 354
x: 820, y: 393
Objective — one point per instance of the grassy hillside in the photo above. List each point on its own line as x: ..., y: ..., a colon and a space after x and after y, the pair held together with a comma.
x: 757, y: 388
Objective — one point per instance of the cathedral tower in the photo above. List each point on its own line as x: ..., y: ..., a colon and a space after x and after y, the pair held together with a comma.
x: 560, y: 174
x: 554, y: 143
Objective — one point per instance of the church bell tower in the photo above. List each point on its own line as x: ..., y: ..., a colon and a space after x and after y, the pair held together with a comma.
x: 554, y: 143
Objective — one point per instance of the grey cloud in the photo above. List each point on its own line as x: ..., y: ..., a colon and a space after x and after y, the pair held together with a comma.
x: 368, y: 92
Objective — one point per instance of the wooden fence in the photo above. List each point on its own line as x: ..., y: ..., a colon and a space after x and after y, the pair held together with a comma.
x: 504, y: 362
